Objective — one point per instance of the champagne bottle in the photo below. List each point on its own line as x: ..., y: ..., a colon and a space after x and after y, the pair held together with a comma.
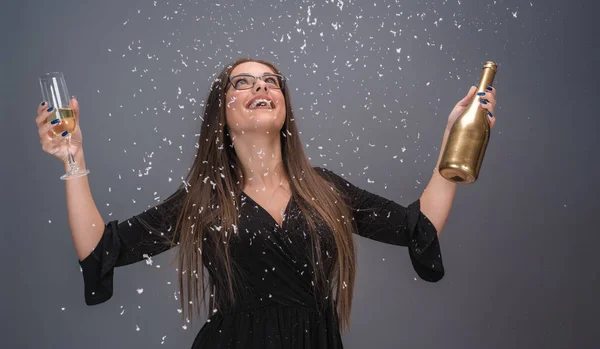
x: 468, y: 137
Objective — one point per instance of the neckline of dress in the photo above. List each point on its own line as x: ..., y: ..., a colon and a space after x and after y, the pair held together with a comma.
x: 285, y: 212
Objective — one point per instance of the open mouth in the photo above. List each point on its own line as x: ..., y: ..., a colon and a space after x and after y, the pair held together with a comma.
x: 260, y: 103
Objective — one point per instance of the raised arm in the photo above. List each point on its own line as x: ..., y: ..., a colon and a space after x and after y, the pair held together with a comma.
x: 141, y: 236
x: 85, y: 221
x: 384, y: 220
x: 101, y: 247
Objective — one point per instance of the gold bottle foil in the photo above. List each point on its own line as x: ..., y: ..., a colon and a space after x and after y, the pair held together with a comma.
x: 468, y: 137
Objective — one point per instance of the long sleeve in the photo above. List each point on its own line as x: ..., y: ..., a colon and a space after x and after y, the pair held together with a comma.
x: 144, y: 235
x: 386, y: 221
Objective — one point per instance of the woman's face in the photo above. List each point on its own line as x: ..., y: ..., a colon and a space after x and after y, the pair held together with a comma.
x: 260, y: 108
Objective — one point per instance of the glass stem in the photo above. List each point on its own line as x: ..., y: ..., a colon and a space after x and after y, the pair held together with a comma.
x: 70, y: 157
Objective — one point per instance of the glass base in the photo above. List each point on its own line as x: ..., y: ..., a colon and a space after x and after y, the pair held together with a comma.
x: 74, y: 173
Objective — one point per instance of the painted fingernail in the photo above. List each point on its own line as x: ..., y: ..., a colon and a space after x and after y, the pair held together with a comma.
x: 489, y: 88
x: 65, y: 133
x: 50, y: 109
x: 481, y: 93
x: 482, y: 101
x: 490, y: 114
x: 43, y: 103
x: 55, y: 121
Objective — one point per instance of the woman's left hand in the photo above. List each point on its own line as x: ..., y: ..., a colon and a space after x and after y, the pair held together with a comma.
x: 486, y: 101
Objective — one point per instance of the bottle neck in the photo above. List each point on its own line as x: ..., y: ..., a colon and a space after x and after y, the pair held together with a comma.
x: 486, y: 79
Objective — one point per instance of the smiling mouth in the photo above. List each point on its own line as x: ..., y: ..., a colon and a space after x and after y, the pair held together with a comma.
x: 261, y: 103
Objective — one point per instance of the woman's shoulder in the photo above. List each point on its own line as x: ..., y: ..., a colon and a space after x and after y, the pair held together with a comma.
x: 175, y: 200
x: 325, y: 172
x: 331, y: 176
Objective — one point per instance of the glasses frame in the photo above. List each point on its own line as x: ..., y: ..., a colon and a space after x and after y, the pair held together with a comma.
x: 281, y: 78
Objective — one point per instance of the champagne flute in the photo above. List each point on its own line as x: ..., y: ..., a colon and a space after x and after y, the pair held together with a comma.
x: 55, y: 93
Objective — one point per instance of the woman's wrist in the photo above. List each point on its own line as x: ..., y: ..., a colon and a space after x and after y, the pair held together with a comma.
x: 79, y: 158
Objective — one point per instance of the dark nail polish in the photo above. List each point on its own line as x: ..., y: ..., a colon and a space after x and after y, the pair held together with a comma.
x: 482, y: 101
x: 43, y: 104
x: 490, y: 114
x: 55, y: 121
x: 50, y: 109
x: 489, y: 88
x: 481, y: 93
x: 65, y: 133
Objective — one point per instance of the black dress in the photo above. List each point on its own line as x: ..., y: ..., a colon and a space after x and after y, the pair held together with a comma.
x: 280, y: 309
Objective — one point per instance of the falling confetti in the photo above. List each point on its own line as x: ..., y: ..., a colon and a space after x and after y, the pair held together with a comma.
x: 355, y: 69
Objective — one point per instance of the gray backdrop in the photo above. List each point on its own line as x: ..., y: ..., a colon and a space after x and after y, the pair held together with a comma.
x: 372, y: 85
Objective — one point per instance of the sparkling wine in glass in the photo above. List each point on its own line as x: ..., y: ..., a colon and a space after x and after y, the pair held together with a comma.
x: 55, y: 93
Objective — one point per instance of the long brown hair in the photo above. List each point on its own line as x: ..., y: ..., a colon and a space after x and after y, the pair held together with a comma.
x: 213, y: 185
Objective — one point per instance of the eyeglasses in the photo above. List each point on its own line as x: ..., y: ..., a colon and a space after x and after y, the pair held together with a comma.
x: 247, y: 81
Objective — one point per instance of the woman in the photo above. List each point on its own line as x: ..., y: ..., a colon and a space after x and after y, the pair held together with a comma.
x: 274, y: 233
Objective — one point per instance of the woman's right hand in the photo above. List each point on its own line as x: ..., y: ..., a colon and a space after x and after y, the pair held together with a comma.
x: 56, y: 145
